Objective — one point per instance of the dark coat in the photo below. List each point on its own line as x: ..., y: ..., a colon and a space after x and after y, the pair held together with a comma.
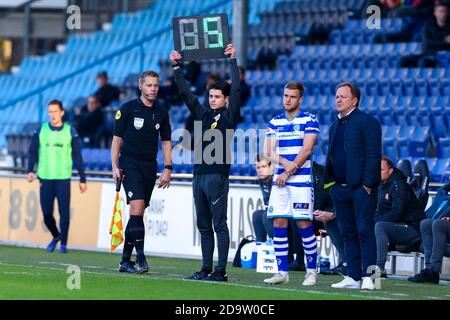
x: 362, y: 145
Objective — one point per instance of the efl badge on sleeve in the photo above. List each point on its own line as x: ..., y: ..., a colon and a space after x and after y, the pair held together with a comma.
x: 201, y: 37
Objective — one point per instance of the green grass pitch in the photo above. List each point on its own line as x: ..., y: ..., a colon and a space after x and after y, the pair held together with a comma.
x: 32, y: 273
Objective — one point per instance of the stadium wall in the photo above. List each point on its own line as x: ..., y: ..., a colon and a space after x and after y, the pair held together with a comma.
x: 169, y: 220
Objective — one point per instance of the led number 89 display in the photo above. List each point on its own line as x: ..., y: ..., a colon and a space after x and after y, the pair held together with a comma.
x: 201, y: 37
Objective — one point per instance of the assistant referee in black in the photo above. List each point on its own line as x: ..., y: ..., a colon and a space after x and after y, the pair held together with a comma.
x: 138, y: 125
x: 210, y: 183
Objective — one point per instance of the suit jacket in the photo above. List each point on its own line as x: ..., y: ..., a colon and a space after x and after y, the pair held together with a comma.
x: 362, y: 144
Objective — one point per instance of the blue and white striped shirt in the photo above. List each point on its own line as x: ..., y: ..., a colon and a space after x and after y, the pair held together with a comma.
x: 289, y: 136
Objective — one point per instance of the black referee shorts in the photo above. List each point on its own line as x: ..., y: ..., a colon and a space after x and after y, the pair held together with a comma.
x: 139, y: 178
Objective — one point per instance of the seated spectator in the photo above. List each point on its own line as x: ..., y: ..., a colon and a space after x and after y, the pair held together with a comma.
x: 191, y: 72
x: 245, y: 88
x: 168, y: 93
x: 106, y: 92
x: 435, y: 233
x: 262, y: 226
x: 435, y: 37
x: 89, y: 123
x: 324, y: 219
x: 398, y: 213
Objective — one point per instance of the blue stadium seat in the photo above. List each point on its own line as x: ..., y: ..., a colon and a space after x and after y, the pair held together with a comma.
x: 408, y: 87
x: 444, y: 147
x: 419, y: 142
x: 438, y: 124
x: 386, y: 117
x: 445, y: 88
x: 390, y: 150
x: 441, y: 166
x: 390, y: 132
x: 422, y: 87
x: 403, y: 148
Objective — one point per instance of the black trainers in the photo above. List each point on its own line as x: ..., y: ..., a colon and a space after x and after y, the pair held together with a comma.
x: 426, y: 275
x: 218, y: 276
x: 141, y: 266
x: 127, y: 267
x: 294, y: 266
x: 199, y: 275
x: 338, y: 270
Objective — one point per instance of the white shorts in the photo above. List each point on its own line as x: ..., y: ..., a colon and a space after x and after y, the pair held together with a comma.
x: 291, y: 202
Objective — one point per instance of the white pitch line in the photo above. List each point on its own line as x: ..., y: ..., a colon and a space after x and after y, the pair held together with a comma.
x: 215, y: 283
x: 17, y: 273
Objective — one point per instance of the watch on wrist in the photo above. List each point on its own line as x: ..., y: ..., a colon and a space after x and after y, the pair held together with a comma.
x: 168, y: 167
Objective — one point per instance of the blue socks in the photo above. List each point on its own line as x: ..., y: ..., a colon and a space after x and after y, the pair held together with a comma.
x: 309, y: 246
x: 280, y: 242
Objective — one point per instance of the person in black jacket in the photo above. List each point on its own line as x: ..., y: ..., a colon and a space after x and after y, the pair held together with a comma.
x: 435, y: 233
x: 262, y: 226
x: 398, y: 215
x: 435, y: 37
x: 353, y: 172
x: 212, y: 162
x: 325, y: 219
x: 89, y: 123
x: 106, y: 93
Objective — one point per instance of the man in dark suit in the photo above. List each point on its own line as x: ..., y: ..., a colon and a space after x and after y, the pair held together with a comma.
x: 353, y: 173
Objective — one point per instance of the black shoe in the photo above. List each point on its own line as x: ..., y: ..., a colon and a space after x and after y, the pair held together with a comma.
x: 338, y: 270
x: 218, y: 276
x: 294, y: 266
x: 142, y: 266
x: 199, y: 275
x: 426, y: 275
x: 383, y: 274
x: 127, y: 267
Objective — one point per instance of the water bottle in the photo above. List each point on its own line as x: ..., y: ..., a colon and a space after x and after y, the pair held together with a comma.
x: 324, y: 264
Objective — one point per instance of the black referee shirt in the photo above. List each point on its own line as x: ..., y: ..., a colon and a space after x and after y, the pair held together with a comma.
x: 139, y: 127
x: 217, y: 120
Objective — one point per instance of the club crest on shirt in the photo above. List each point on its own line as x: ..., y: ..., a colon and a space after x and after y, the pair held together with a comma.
x: 118, y: 115
x: 157, y: 126
x: 297, y: 127
x: 386, y: 196
x: 138, y: 123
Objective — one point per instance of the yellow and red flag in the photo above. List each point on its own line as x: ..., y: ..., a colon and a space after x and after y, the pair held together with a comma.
x: 116, y: 228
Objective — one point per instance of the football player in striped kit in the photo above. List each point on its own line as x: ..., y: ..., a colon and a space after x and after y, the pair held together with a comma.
x: 289, y: 143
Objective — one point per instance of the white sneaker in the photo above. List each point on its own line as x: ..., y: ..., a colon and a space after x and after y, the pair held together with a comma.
x: 347, y: 283
x: 310, y: 278
x: 279, y: 278
x: 367, y: 284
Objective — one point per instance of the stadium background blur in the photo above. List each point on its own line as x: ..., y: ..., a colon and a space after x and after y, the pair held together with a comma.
x: 317, y: 42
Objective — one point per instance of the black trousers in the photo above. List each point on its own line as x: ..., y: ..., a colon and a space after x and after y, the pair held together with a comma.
x: 211, y: 202
x: 59, y: 189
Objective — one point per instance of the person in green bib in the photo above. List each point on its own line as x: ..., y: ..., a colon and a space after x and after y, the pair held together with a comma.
x: 54, y: 147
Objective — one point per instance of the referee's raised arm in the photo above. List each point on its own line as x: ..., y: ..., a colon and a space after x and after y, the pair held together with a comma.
x: 190, y: 99
x: 234, y: 106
